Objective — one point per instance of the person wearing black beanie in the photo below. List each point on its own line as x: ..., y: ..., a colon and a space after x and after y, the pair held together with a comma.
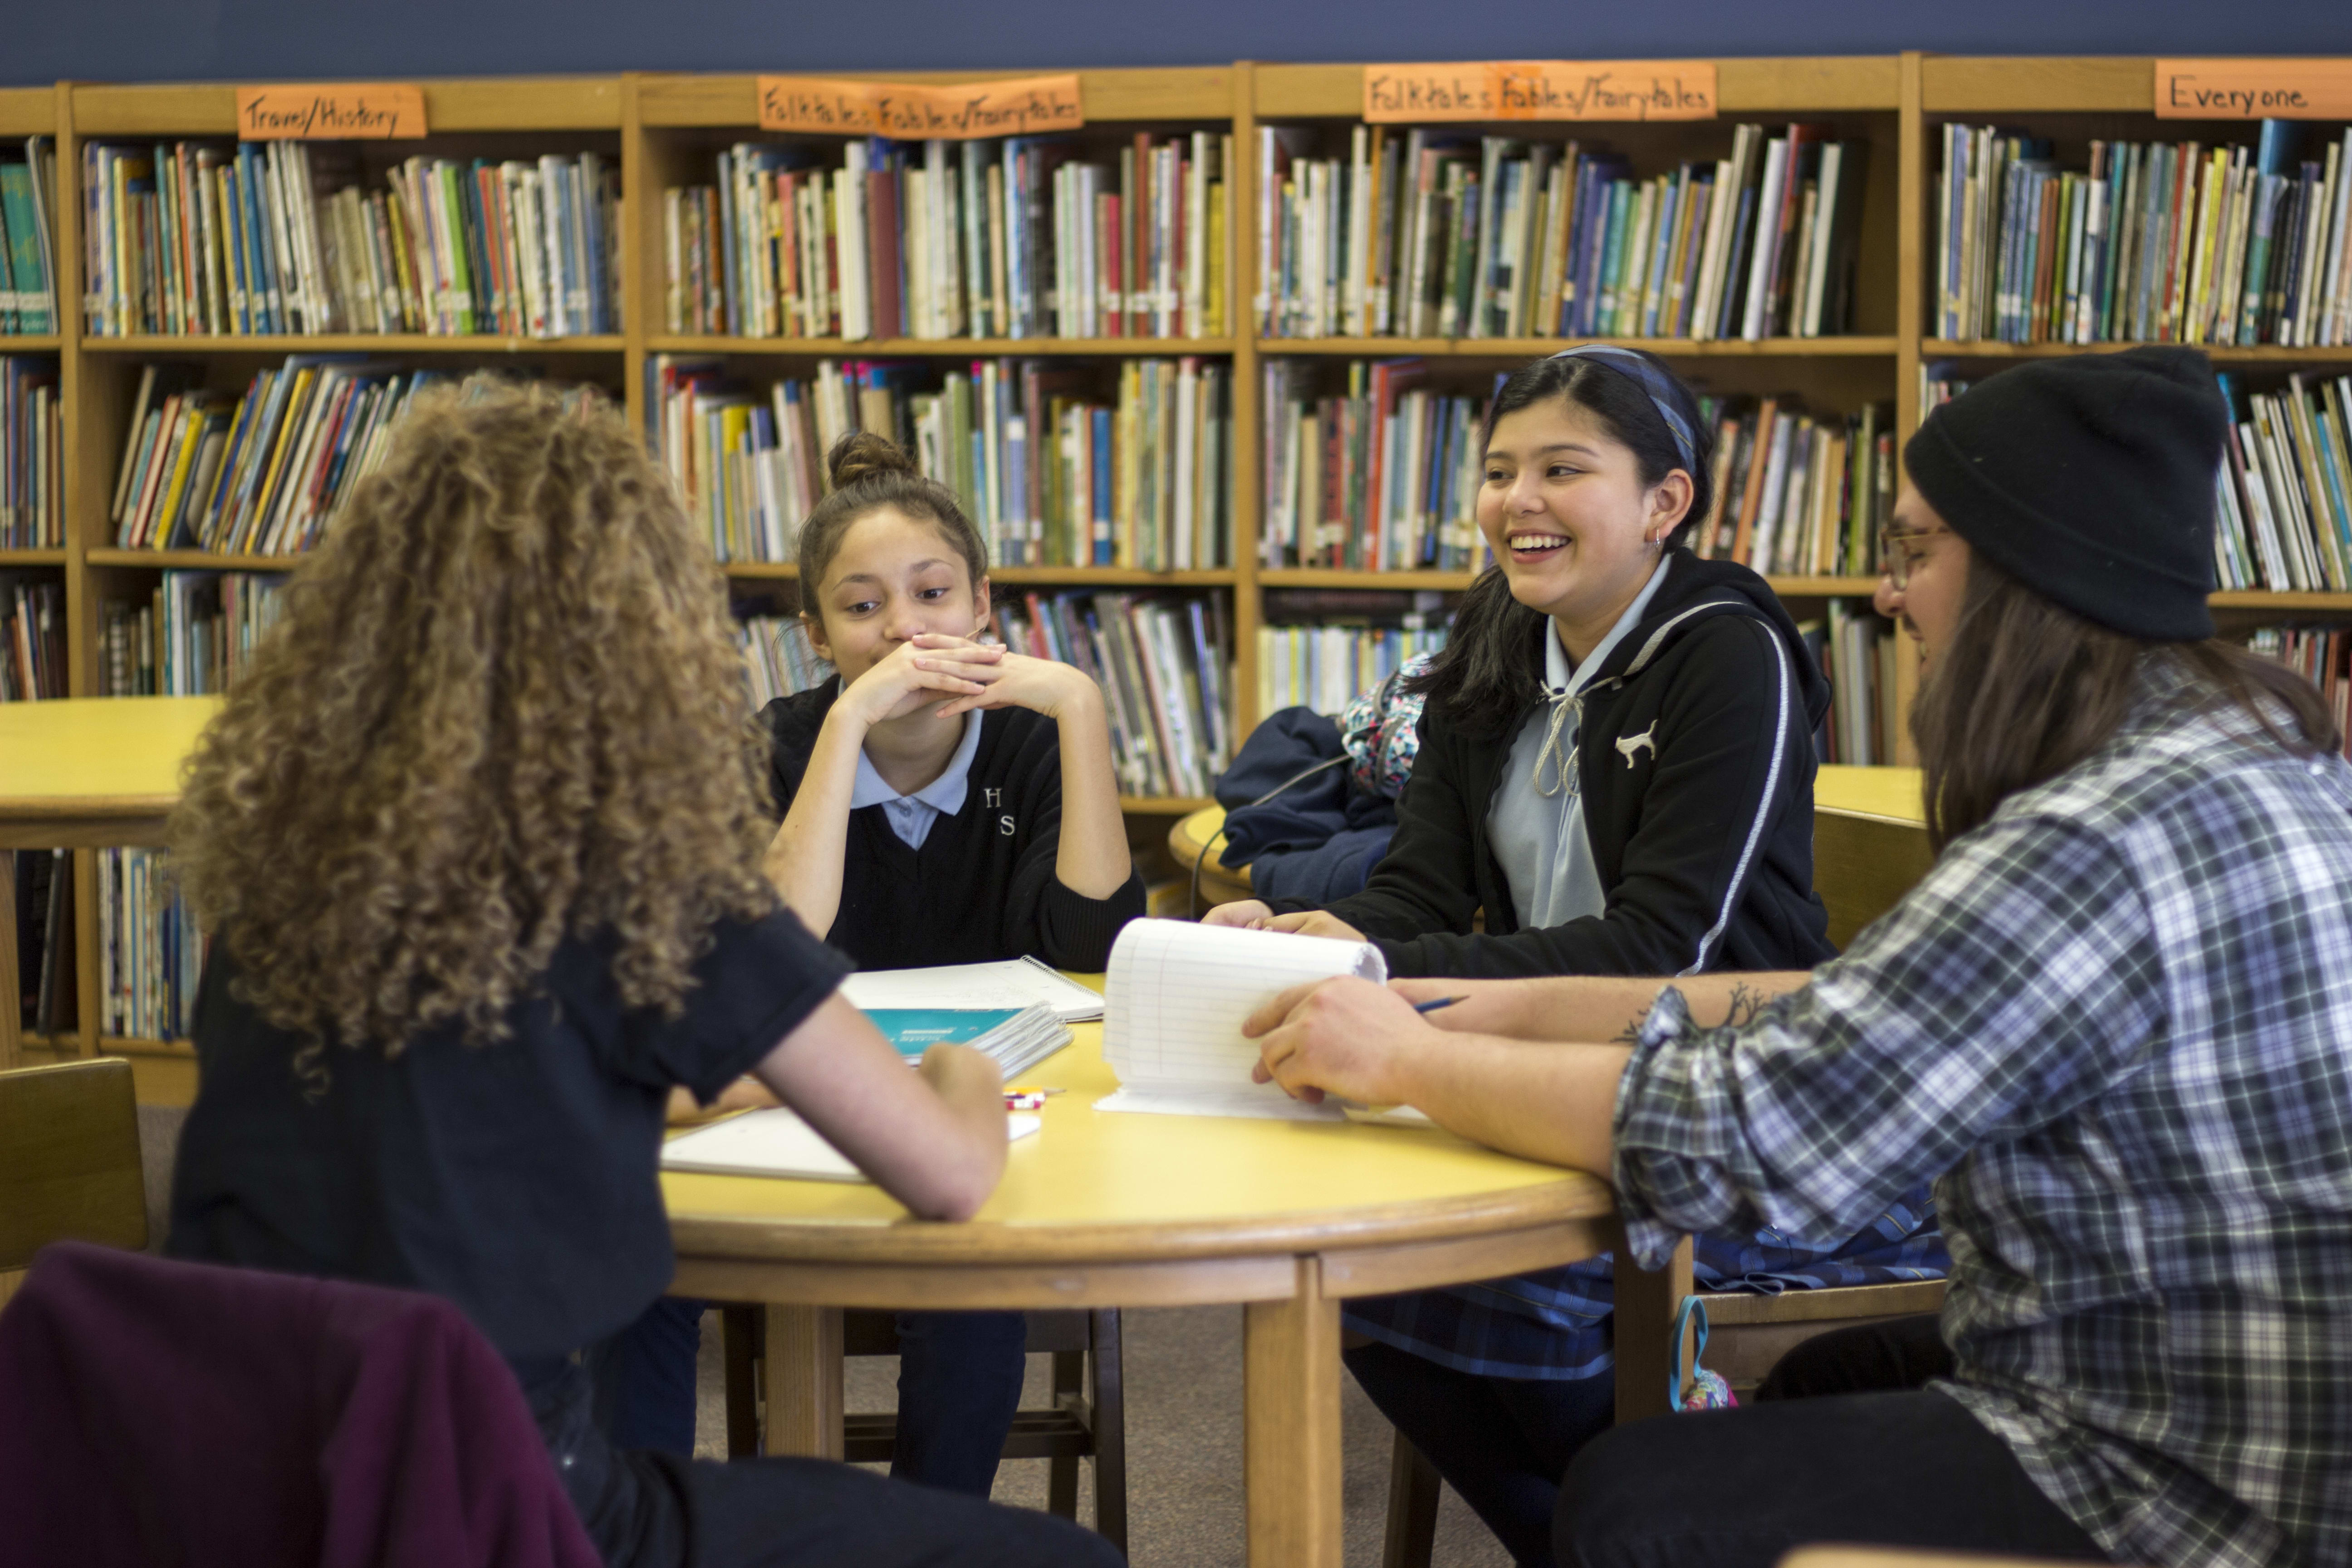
x: 2110, y: 1022
x: 2092, y: 479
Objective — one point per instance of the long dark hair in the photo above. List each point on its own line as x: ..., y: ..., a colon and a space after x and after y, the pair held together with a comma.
x: 2028, y: 688
x: 1485, y: 678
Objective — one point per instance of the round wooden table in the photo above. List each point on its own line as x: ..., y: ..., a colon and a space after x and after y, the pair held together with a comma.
x: 1110, y: 1209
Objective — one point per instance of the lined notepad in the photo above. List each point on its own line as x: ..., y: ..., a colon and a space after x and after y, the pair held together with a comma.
x: 779, y: 1143
x: 1178, y: 996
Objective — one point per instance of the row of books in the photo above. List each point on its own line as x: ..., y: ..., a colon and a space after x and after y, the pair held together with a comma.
x: 1050, y: 471
x: 190, y: 638
x: 1326, y: 667
x: 44, y: 1002
x: 1162, y: 663
x: 2285, y: 488
x: 1857, y: 651
x: 28, y: 293
x: 32, y: 638
x: 1024, y: 236
x: 2319, y: 655
x: 32, y: 455
x: 1419, y: 232
x: 280, y: 237
x: 778, y: 658
x: 151, y: 954
x: 1381, y: 474
x: 2168, y: 242
x: 1796, y: 494
x: 256, y: 474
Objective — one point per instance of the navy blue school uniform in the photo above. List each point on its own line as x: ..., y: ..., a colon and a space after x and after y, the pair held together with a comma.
x: 961, y: 871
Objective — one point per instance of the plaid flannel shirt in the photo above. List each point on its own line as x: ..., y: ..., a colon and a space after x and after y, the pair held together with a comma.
x: 2115, y: 1022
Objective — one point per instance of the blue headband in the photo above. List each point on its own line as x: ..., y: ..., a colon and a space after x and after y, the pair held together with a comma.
x: 1652, y: 380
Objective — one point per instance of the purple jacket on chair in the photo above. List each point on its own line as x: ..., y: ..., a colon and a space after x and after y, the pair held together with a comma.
x: 155, y: 1412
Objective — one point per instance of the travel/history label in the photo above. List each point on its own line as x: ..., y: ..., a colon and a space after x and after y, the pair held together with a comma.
x: 341, y: 111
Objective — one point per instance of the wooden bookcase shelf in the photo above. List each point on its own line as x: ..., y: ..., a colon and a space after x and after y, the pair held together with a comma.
x: 941, y: 348
x: 663, y: 129
x: 402, y: 346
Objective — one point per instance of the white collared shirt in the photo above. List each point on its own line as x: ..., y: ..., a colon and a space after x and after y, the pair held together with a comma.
x: 911, y: 815
x: 1546, y: 854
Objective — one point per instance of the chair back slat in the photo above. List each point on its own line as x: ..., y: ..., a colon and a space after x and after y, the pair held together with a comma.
x: 70, y: 1159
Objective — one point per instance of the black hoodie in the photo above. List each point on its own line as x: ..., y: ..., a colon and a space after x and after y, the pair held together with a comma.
x: 1696, y: 763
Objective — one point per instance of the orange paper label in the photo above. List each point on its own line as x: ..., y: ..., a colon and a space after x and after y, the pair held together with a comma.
x: 1541, y: 89
x: 1023, y: 107
x: 2254, y: 90
x: 337, y: 112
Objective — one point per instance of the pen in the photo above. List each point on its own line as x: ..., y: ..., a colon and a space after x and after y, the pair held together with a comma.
x: 1433, y: 1007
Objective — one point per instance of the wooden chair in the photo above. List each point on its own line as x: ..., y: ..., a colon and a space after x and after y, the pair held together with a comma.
x: 1193, y: 842
x: 1073, y: 1426
x: 69, y: 1161
x: 1862, y: 864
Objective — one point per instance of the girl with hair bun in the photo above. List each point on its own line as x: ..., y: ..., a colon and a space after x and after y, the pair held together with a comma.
x: 998, y: 831
x: 945, y: 802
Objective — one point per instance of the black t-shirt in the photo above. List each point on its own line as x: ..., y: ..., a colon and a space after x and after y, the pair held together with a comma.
x: 516, y: 1179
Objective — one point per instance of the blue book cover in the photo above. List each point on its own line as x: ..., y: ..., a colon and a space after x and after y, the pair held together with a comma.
x: 914, y: 1030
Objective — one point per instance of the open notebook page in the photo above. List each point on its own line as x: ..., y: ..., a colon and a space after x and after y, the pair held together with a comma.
x: 777, y: 1142
x: 1178, y: 995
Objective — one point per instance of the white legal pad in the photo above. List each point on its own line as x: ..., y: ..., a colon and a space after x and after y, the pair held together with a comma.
x: 1015, y: 983
x: 779, y: 1143
x: 1178, y: 996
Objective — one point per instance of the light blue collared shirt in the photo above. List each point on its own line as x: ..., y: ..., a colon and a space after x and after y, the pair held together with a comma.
x: 911, y: 815
x: 1539, y: 838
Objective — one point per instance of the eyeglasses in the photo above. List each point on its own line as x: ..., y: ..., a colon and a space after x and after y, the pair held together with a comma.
x: 1898, y: 551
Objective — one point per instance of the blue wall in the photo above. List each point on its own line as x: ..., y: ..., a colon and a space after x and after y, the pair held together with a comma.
x: 148, y: 40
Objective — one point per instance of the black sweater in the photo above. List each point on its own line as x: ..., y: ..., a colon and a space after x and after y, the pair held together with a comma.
x: 1701, y: 820
x: 983, y: 886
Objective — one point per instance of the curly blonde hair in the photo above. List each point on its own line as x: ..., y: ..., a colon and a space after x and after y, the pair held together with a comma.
x: 504, y: 707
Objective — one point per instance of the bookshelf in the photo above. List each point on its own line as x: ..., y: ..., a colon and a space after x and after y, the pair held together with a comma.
x: 665, y: 130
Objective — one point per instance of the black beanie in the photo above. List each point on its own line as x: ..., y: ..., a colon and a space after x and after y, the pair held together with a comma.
x: 2090, y: 479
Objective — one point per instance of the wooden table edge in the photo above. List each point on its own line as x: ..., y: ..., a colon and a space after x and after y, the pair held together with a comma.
x: 1576, y: 1197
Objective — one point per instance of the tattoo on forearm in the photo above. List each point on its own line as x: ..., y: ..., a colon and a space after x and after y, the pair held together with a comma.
x: 1631, y: 1035
x: 1743, y: 1007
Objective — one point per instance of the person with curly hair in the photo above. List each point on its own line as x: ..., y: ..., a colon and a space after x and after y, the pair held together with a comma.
x: 468, y: 929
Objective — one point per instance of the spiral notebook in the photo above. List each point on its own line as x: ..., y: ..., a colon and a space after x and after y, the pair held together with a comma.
x: 1177, y: 996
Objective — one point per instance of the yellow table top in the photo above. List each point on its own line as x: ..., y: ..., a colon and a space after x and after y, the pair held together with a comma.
x: 97, y: 750
x: 1087, y: 1168
x: 108, y: 747
x: 1872, y: 791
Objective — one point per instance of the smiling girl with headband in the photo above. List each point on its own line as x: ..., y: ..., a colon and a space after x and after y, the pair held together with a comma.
x: 1617, y: 768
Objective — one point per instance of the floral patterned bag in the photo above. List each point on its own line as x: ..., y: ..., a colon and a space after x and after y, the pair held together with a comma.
x: 1382, y: 730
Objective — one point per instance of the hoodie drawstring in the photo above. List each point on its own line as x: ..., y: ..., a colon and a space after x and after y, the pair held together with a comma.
x: 1567, y: 712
